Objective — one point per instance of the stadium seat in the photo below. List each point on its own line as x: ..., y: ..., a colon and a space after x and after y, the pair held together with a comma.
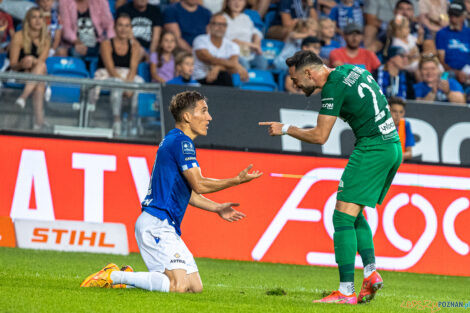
x: 254, y: 16
x: 269, y: 19
x: 271, y: 49
x: 147, y: 114
x: 282, y: 80
x: 143, y: 70
x: 259, y: 81
x: 66, y: 67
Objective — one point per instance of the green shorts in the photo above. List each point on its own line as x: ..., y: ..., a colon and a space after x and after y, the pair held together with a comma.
x: 369, y: 174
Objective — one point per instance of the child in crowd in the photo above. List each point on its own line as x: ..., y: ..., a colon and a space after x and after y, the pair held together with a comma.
x: 184, y: 69
x: 162, y: 62
x: 54, y: 26
x: 327, y: 33
x: 347, y: 12
x: 401, y: 37
x: 302, y: 30
x: 397, y: 109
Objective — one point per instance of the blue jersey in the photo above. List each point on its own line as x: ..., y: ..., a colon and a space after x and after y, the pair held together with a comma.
x: 169, y: 191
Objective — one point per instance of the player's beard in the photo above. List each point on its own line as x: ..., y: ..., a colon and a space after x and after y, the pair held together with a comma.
x: 309, y: 90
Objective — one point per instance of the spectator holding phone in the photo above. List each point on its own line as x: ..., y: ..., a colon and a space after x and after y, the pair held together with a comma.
x: 436, y: 86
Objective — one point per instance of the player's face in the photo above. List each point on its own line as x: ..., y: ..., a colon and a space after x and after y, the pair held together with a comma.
x: 398, y: 112
x: 200, y: 118
x: 303, y: 79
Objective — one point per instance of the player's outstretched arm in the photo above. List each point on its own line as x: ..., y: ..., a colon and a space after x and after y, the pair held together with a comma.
x: 202, y: 185
x: 224, y: 210
x: 318, y: 134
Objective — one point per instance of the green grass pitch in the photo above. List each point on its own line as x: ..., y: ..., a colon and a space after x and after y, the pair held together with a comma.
x: 47, y: 281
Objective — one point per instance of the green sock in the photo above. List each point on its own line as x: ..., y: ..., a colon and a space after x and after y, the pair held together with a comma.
x: 345, y: 245
x: 365, y: 244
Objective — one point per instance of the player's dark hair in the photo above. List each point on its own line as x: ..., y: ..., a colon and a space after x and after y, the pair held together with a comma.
x: 184, y: 101
x: 396, y: 100
x: 303, y: 58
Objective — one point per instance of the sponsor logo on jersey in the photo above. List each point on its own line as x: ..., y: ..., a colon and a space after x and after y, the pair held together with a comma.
x: 188, y: 147
x: 387, y: 127
x: 178, y: 261
x: 189, y: 158
x: 328, y: 105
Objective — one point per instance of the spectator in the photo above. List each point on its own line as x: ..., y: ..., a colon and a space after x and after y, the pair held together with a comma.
x: 16, y: 8
x: 391, y: 77
x: 312, y: 44
x: 377, y: 15
x: 119, y: 58
x: 54, y: 26
x: 215, y: 56
x: 347, y: 12
x: 242, y: 31
x: 184, y: 70
x: 435, y: 88
x: 289, y: 12
x: 162, y: 62
x: 401, y: 37
x: 353, y: 53
x: 187, y: 20
x: 302, y: 30
x: 433, y: 14
x: 147, y: 23
x: 453, y: 43
x: 397, y: 109
x: 86, y: 23
x: 327, y: 33
x: 28, y: 52
x: 7, y: 31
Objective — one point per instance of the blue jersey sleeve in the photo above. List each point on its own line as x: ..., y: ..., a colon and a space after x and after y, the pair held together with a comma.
x: 455, y: 85
x: 334, y: 14
x: 185, y: 154
x: 440, y: 40
x: 410, y: 138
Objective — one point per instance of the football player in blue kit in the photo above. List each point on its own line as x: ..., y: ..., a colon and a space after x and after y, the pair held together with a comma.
x: 176, y: 181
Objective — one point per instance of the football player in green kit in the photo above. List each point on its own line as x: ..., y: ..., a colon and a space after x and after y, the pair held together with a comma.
x: 351, y: 93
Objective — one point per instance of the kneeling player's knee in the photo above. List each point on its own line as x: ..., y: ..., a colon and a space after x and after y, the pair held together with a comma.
x: 196, y: 289
x: 178, y: 286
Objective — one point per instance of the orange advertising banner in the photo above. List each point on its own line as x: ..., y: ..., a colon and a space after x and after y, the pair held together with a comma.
x: 422, y: 226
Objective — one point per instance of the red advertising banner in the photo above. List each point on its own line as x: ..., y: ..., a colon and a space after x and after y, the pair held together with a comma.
x: 422, y: 226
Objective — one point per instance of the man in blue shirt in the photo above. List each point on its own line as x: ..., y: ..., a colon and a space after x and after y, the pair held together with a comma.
x: 176, y: 181
x: 187, y: 20
x: 391, y: 77
x: 453, y: 41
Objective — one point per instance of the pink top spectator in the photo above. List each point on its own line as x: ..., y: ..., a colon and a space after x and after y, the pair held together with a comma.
x: 100, y: 15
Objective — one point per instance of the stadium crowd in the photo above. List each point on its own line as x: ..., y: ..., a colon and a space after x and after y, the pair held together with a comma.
x: 416, y: 49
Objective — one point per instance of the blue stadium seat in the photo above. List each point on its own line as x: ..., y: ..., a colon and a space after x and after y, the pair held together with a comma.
x: 255, y: 18
x: 143, y: 70
x: 269, y: 19
x: 259, y: 81
x: 148, y: 116
x: 66, y: 67
x: 282, y: 80
x: 271, y: 49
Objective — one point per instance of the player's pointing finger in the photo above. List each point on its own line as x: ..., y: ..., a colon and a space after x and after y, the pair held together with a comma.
x: 265, y: 123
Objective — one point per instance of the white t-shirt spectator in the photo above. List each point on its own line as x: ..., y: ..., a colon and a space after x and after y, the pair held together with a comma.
x: 226, y: 50
x: 242, y: 28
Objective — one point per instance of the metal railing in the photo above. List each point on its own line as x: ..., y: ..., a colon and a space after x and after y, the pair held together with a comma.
x: 85, y: 84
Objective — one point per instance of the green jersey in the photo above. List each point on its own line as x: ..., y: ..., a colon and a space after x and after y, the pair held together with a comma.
x: 351, y: 93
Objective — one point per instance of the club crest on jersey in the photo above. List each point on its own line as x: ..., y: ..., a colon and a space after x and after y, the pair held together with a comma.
x: 188, y: 147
